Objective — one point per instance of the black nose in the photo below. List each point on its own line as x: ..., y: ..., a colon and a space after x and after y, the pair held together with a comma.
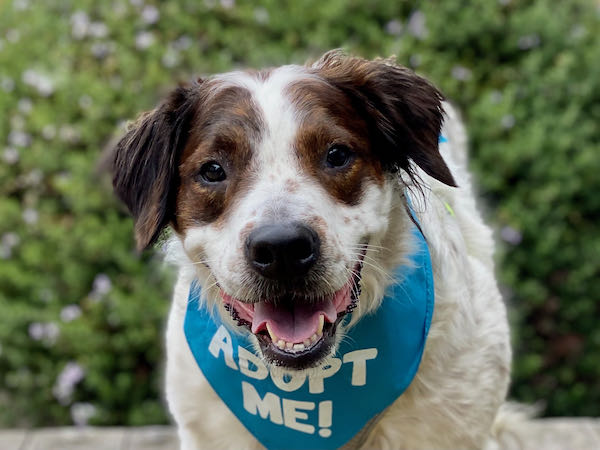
x: 283, y: 251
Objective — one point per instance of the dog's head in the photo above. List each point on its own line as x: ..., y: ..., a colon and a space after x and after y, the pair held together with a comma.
x: 278, y: 183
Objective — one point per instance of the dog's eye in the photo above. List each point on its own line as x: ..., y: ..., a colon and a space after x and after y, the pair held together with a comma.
x: 339, y: 156
x: 212, y: 172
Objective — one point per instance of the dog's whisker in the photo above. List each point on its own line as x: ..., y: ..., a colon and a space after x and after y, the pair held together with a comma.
x: 365, y: 256
x: 354, y: 287
x: 379, y: 271
x: 203, y: 262
x: 371, y: 264
x: 363, y: 249
x: 370, y: 246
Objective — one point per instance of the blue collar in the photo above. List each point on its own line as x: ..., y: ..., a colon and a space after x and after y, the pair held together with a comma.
x: 373, y: 366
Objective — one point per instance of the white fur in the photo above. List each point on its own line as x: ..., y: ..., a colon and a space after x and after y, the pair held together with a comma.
x: 464, y: 373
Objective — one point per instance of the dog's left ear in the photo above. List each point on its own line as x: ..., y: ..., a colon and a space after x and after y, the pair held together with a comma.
x: 403, y: 111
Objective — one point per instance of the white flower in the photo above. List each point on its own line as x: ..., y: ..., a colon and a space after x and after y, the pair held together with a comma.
x: 98, y: 30
x: 30, y: 216
x: 102, y: 285
x: 68, y: 133
x: 70, y: 313
x: 461, y: 73
x: 170, y: 58
x: 49, y: 131
x: 64, y: 387
x: 507, y: 121
x: 261, y: 15
x: 227, y: 4
x: 44, y: 331
x: 394, y: 27
x: 101, y: 49
x: 143, y: 40
x: 80, y: 24
x: 36, y: 331
x: 43, y: 83
x: 10, y: 155
x: 182, y: 43
x: 529, y: 41
x: 415, y: 60
x: 150, y: 14
x: 495, y: 96
x: 52, y: 332
x: 9, y: 240
x: 19, y: 138
x: 34, y: 177
x: 21, y: 5
x: 510, y: 235
x: 416, y: 25
x: 81, y: 413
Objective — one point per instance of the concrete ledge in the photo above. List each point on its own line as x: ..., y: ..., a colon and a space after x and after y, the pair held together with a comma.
x: 547, y: 434
x: 553, y: 434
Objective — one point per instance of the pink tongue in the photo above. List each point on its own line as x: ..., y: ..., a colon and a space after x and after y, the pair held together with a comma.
x: 292, y: 324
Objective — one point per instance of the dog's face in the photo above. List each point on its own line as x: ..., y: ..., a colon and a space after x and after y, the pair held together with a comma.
x: 277, y: 182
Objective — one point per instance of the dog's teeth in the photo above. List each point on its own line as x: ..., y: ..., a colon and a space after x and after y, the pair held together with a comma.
x: 274, y: 337
x: 314, y: 338
x: 289, y: 345
x: 306, y: 342
x: 298, y: 347
x: 321, y: 323
x: 280, y: 343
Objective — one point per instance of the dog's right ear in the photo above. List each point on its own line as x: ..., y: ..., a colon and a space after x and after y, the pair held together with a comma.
x: 145, y: 163
x: 403, y: 111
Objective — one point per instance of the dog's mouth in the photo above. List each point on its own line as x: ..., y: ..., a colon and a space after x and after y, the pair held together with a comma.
x: 296, y: 331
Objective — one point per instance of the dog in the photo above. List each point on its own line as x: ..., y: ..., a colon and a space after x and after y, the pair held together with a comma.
x: 298, y: 197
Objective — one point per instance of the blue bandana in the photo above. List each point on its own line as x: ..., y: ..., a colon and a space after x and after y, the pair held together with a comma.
x: 373, y: 366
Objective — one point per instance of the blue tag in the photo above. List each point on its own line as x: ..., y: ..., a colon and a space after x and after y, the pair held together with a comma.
x: 374, y: 365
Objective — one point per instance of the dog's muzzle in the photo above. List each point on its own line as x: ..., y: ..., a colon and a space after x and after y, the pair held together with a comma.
x: 295, y: 328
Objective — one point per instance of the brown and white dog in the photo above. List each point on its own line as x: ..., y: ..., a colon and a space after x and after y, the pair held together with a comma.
x: 277, y: 185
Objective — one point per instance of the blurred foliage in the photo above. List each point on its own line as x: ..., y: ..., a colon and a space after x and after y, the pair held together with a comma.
x: 82, y: 315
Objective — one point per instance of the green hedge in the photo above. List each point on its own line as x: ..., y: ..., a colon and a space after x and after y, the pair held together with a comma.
x: 82, y: 315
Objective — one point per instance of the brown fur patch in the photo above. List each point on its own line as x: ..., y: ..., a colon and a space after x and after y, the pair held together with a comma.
x: 225, y: 130
x: 246, y: 231
x: 403, y: 111
x: 292, y: 185
x: 328, y: 117
x: 261, y: 75
x: 319, y: 224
